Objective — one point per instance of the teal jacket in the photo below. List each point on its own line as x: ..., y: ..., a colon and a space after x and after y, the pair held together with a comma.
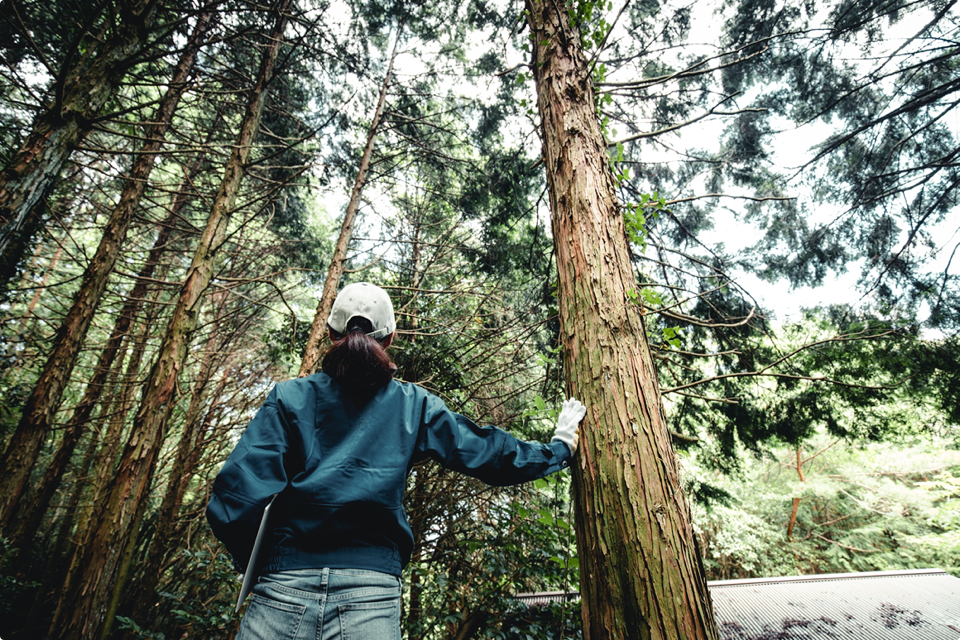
x: 340, y: 467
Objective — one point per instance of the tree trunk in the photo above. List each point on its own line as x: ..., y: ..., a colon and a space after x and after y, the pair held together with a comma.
x: 80, y: 93
x: 18, y: 242
x: 793, y: 519
x: 641, y: 571
x: 470, y: 623
x: 39, y: 410
x: 796, y: 501
x: 52, y: 571
x: 110, y: 442
x: 184, y: 464
x: 82, y: 611
x: 318, y: 330
x: 28, y: 517
x: 43, y: 284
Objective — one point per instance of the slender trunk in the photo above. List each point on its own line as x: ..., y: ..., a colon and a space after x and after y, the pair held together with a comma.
x: 125, y: 563
x: 796, y: 501
x: 61, y: 546
x: 793, y: 519
x: 641, y: 572
x: 181, y: 472
x: 415, y: 282
x: 469, y: 624
x: 313, y: 351
x: 28, y: 518
x: 109, y: 446
x: 110, y: 442
x: 13, y: 267
x: 83, y: 611
x: 43, y: 284
x: 39, y: 410
x: 18, y: 243
x: 81, y: 92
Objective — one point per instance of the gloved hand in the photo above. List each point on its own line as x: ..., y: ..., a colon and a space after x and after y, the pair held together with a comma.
x: 568, y: 423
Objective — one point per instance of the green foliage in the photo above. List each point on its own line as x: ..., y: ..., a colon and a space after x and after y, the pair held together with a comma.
x: 520, y: 544
x: 15, y: 592
x: 14, y: 393
x: 553, y: 621
x: 874, y: 190
x: 876, y: 507
x: 636, y: 215
x: 852, y: 375
x: 198, y: 601
x: 519, y: 540
x: 588, y: 17
x: 130, y: 626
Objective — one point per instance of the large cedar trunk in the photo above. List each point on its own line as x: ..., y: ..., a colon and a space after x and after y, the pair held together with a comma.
x: 39, y: 410
x: 80, y: 94
x: 641, y: 573
x: 98, y: 569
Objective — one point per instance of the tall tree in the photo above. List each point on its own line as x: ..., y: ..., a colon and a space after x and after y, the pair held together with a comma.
x: 318, y: 328
x: 98, y: 570
x: 31, y: 511
x: 24, y: 447
x: 91, y: 71
x: 641, y: 572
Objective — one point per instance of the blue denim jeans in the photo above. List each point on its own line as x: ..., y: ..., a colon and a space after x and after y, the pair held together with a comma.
x: 323, y: 604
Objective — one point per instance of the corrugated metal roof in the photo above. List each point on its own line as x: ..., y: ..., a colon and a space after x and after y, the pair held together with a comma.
x: 883, y: 605
x: 923, y: 604
x: 546, y: 597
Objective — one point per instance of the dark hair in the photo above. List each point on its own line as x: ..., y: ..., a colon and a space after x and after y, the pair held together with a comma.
x: 359, y: 363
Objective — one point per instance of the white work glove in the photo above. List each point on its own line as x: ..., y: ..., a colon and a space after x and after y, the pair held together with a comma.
x: 568, y: 424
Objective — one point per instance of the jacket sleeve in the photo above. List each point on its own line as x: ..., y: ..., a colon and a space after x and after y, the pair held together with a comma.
x: 251, y: 475
x: 486, y: 453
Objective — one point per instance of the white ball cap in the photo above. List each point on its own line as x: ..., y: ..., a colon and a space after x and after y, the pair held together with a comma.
x: 367, y: 301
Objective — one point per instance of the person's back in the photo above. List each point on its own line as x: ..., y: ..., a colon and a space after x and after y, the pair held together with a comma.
x: 337, y: 447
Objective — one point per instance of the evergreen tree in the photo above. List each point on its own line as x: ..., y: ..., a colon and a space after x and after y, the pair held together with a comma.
x: 86, y: 69
x: 641, y: 571
x: 99, y: 569
x: 879, y: 189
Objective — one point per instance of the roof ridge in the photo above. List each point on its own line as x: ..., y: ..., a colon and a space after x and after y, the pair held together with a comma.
x: 823, y: 577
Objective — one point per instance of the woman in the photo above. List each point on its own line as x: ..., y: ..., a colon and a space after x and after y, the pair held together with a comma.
x: 337, y: 447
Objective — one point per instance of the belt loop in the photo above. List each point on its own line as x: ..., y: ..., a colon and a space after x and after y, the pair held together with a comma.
x: 325, y: 576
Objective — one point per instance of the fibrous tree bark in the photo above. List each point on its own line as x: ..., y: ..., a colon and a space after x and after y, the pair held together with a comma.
x: 641, y: 573
x: 85, y: 85
x: 30, y: 512
x: 143, y: 594
x: 120, y: 405
x: 39, y: 410
x: 97, y: 569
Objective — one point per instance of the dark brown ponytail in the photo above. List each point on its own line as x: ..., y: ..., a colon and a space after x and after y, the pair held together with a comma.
x: 359, y: 363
